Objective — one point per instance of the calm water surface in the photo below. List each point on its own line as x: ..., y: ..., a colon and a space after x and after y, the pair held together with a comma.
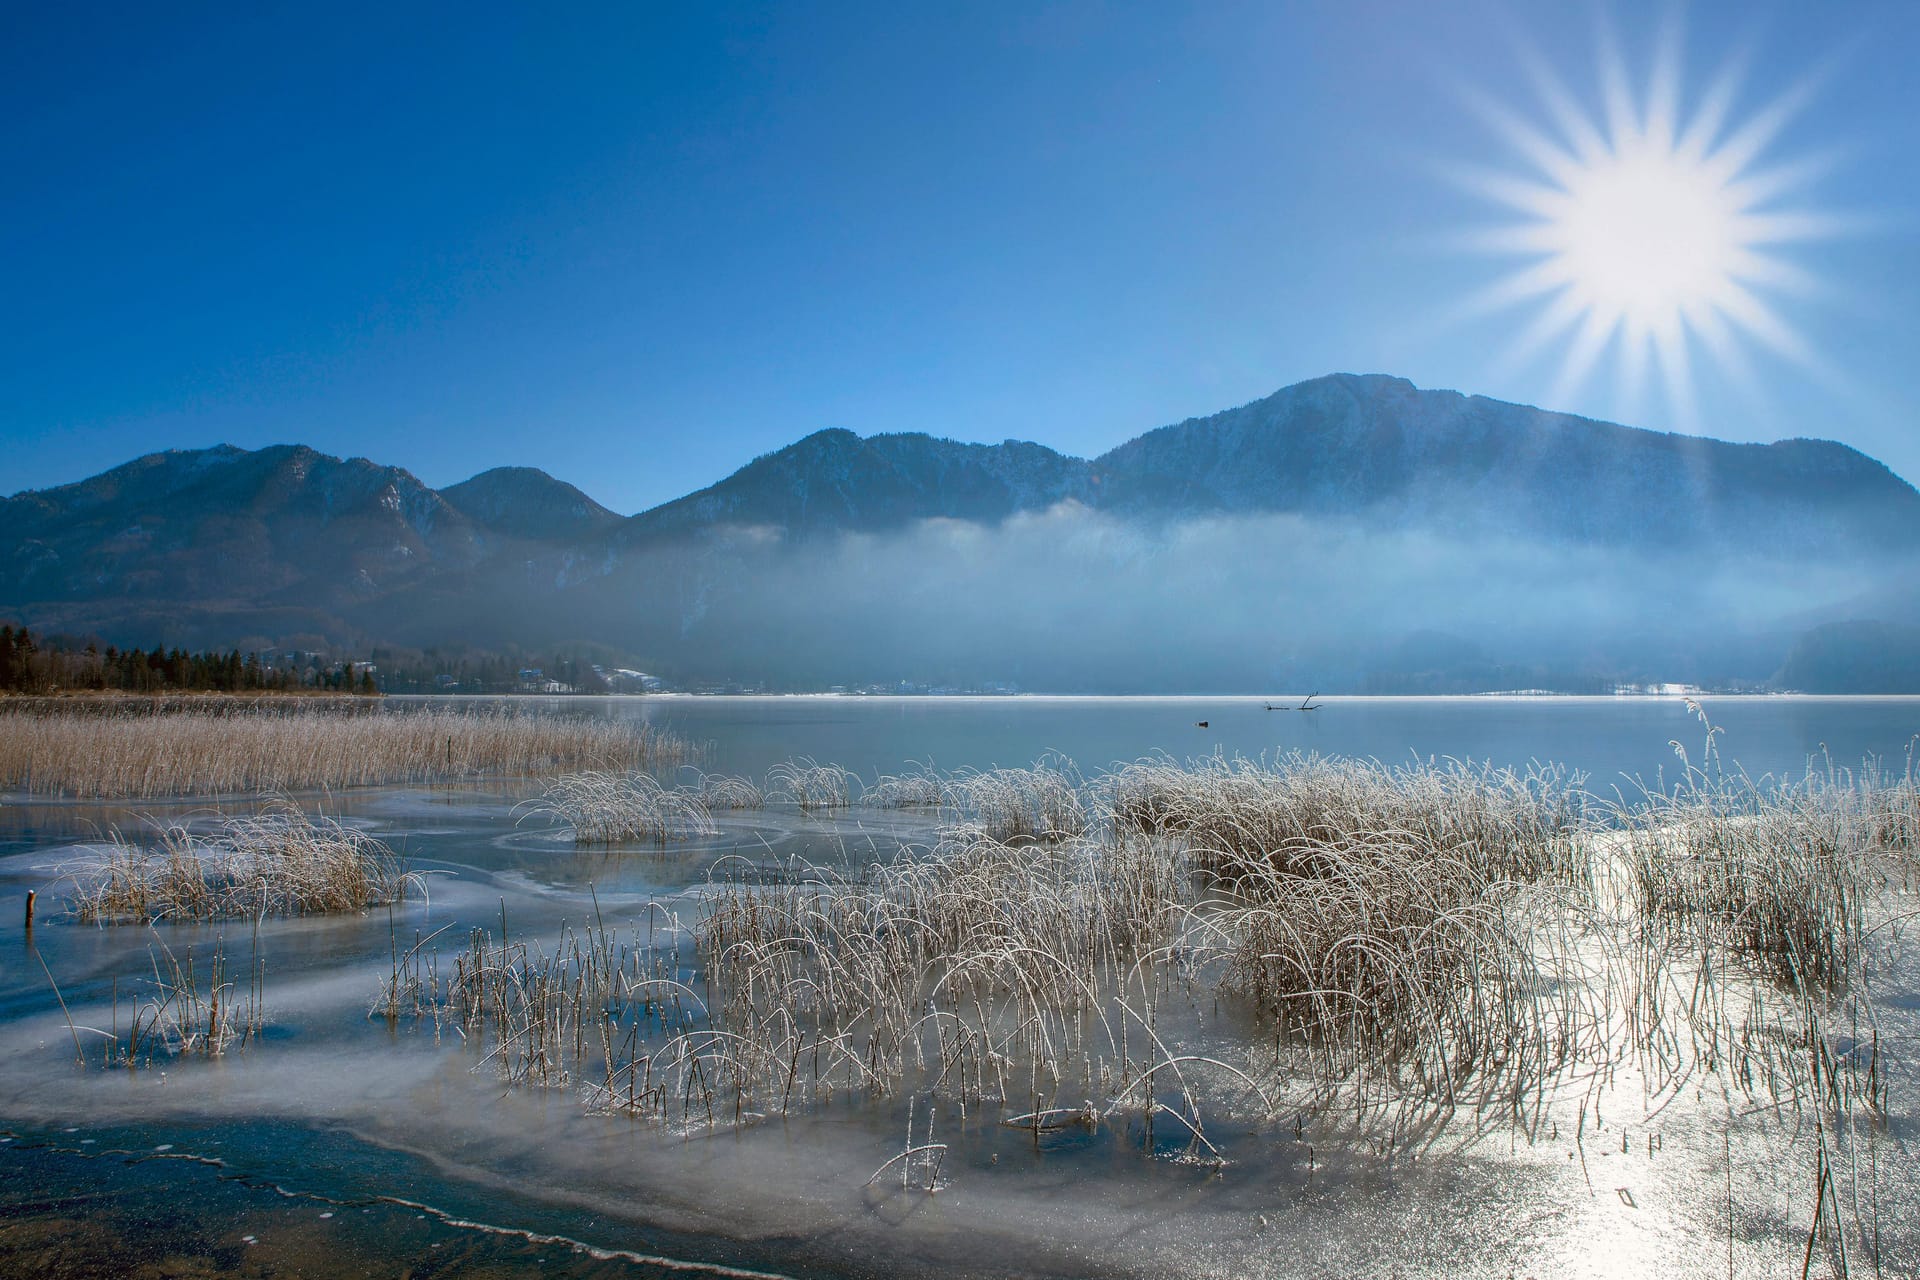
x: 1609, y: 739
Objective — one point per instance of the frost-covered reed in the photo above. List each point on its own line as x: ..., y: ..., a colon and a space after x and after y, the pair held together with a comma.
x: 609, y: 808
x: 172, y: 1016
x: 722, y: 791
x: 1782, y: 880
x: 1756, y: 915
x: 1388, y: 944
x: 207, y: 748
x: 975, y: 967
x: 282, y: 862
x: 539, y: 1015
x: 990, y: 972
x: 1521, y: 825
x: 1781, y: 874
x: 923, y: 789
x: 1377, y: 953
x: 810, y: 786
x: 1041, y: 803
x: 1404, y: 921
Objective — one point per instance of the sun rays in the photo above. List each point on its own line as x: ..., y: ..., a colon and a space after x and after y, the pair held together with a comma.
x: 1651, y: 232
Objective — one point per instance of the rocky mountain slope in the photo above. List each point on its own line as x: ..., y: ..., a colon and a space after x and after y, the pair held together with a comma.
x: 1378, y: 445
x: 834, y: 481
x: 529, y: 504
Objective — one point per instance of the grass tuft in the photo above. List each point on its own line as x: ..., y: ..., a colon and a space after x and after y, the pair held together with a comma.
x: 609, y: 808
x: 809, y: 786
x: 923, y: 789
x: 1041, y: 803
x: 279, y: 863
x: 720, y: 791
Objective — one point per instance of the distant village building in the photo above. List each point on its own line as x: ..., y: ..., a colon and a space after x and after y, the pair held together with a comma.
x: 535, y: 680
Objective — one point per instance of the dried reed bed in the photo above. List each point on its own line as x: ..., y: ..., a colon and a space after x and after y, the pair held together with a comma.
x: 1392, y: 944
x: 988, y: 972
x: 302, y: 744
x: 610, y: 808
x: 978, y: 968
x: 1521, y: 825
x: 1782, y: 879
x: 113, y: 703
x: 1411, y: 927
x: 1756, y: 916
x: 279, y: 863
x: 1760, y: 906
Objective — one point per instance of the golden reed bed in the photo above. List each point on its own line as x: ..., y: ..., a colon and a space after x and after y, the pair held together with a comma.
x: 302, y: 744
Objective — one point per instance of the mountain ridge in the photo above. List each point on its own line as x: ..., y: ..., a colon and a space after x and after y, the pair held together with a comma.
x: 526, y: 502
x: 216, y: 544
x: 1153, y: 473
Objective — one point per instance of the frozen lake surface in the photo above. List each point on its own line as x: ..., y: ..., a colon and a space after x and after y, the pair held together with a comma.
x: 339, y: 1142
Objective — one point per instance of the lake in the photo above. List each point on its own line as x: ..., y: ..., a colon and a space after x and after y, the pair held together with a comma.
x: 1611, y: 740
x: 340, y: 1142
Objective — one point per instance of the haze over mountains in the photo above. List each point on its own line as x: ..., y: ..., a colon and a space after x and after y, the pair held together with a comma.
x: 1352, y: 532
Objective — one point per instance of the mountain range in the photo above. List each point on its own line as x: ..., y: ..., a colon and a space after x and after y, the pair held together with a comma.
x: 769, y: 574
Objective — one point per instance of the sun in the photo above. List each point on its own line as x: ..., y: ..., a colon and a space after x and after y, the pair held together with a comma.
x: 1645, y: 235
x: 1648, y: 233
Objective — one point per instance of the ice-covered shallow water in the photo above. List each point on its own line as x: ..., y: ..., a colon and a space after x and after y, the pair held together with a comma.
x: 425, y: 1162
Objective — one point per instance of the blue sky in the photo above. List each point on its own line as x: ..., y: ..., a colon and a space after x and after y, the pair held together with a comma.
x: 641, y: 245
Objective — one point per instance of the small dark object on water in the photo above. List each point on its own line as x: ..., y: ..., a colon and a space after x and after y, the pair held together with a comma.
x: 29, y: 911
x: 1306, y: 705
x: 1199, y: 724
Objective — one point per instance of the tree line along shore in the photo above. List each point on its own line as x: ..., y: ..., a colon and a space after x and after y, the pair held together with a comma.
x: 31, y: 666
